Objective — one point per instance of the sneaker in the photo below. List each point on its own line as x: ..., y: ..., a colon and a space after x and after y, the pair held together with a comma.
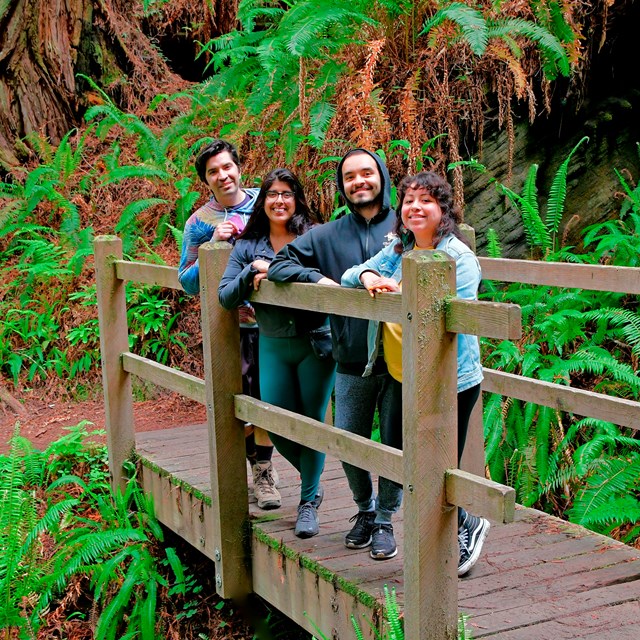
x: 360, y: 535
x: 317, y: 501
x: 383, y: 544
x: 307, y: 522
x: 471, y: 537
x: 264, y: 486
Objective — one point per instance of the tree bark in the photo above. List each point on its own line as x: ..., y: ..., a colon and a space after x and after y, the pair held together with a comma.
x: 44, y: 44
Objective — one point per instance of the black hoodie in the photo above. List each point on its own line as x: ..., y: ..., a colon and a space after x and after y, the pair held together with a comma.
x: 329, y: 250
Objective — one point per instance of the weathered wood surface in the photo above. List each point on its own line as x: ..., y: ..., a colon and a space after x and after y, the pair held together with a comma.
x: 538, y: 578
x: 429, y: 397
x: 480, y: 496
x: 225, y: 435
x: 166, y: 377
x: 620, y: 411
x: 562, y: 274
x: 488, y: 319
x: 146, y: 273
x: 114, y: 340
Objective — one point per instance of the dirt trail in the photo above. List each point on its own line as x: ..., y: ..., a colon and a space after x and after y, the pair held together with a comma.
x: 44, y: 421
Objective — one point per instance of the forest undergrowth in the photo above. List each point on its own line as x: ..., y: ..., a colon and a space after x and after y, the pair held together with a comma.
x: 414, y: 82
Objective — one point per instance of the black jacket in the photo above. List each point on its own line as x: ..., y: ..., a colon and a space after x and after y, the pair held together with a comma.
x: 329, y: 250
x: 236, y: 286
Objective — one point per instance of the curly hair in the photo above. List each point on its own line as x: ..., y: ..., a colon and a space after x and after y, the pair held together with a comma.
x: 302, y: 219
x: 437, y: 187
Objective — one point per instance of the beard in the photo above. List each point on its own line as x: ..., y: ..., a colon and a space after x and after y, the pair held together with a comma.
x: 367, y: 201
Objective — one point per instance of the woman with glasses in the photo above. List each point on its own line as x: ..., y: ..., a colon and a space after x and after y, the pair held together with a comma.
x: 296, y: 367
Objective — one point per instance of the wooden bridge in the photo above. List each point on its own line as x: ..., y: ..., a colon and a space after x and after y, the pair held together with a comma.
x: 538, y: 577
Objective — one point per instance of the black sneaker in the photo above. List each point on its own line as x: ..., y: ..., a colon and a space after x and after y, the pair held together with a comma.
x: 471, y: 537
x: 360, y: 535
x: 307, y: 524
x: 383, y: 544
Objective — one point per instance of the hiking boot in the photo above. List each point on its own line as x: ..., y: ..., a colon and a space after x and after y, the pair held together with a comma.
x: 383, y: 544
x: 471, y: 537
x: 264, y: 486
x: 307, y: 522
x: 360, y: 535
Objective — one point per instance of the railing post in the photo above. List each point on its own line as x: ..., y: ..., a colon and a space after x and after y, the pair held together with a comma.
x: 114, y: 340
x: 223, y: 379
x: 429, y: 428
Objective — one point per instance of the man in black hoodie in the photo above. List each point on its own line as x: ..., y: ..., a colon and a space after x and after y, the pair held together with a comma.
x: 322, y: 255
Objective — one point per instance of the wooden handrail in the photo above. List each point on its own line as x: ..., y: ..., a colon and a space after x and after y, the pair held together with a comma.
x: 562, y: 274
x: 622, y: 412
x: 430, y: 315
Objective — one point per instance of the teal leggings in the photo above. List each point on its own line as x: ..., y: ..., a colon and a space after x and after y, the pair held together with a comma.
x: 293, y: 378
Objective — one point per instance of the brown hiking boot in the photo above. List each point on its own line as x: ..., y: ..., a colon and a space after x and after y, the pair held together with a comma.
x: 264, y: 486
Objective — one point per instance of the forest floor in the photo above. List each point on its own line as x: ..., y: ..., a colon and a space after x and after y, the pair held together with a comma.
x: 44, y: 421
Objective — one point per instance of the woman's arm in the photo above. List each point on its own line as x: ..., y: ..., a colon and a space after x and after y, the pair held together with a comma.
x: 351, y: 277
x: 468, y: 275
x: 236, y: 284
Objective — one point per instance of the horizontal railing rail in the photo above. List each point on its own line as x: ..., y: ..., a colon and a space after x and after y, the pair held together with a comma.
x: 428, y: 305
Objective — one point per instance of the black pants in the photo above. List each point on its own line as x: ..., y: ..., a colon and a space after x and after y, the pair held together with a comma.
x: 466, y: 401
x: 249, y: 360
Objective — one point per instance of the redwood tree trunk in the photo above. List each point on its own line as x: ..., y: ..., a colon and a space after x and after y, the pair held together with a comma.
x: 45, y: 43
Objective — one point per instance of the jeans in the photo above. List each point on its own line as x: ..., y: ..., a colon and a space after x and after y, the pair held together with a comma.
x: 356, y: 401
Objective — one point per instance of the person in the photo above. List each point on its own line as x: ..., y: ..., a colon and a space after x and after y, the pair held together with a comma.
x: 296, y: 368
x: 428, y: 219
x: 223, y: 218
x: 322, y: 255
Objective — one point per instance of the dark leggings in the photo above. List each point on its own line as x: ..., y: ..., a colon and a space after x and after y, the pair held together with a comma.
x: 466, y: 401
x: 293, y: 378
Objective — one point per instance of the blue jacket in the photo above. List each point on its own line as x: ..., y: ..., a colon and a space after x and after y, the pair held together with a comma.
x: 388, y: 263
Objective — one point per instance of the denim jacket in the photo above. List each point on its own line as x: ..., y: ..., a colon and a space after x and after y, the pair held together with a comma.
x: 388, y: 263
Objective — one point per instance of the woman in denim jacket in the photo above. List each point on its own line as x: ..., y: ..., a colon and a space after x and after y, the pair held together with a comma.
x: 296, y: 367
x: 428, y: 219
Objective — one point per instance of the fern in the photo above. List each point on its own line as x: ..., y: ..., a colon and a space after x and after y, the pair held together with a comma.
x: 552, y: 52
x: 558, y: 192
x: 127, y: 225
x: 470, y: 20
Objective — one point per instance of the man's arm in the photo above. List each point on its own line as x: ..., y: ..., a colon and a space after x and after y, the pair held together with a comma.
x: 197, y: 232
x: 296, y: 262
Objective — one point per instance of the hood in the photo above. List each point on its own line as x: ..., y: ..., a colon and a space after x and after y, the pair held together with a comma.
x: 385, y: 181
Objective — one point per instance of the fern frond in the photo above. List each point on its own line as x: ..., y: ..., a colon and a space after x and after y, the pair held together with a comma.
x: 553, y: 53
x: 558, y: 192
x: 494, y: 248
x: 470, y: 20
x: 320, y: 116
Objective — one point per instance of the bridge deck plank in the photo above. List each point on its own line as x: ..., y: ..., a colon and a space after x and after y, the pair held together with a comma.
x: 538, y: 577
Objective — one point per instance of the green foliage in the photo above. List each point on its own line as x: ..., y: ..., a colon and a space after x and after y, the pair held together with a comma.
x: 281, y: 57
x: 477, y: 32
x: 108, y: 537
x: 582, y: 467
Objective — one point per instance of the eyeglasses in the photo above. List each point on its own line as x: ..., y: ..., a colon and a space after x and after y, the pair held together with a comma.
x: 286, y: 195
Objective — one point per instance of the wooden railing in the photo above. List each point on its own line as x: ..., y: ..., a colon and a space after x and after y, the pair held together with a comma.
x: 430, y: 315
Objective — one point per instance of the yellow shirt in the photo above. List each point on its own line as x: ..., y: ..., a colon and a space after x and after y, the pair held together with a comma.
x: 392, y: 347
x: 392, y: 342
